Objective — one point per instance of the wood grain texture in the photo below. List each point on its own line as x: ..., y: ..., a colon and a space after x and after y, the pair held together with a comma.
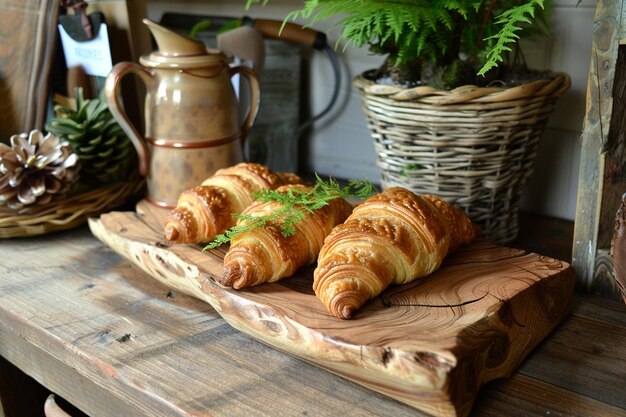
x: 430, y: 344
x: 602, y: 116
x: 114, y: 342
x: 524, y: 396
x: 603, y: 282
x: 71, y: 308
x: 613, y: 183
x: 581, y: 344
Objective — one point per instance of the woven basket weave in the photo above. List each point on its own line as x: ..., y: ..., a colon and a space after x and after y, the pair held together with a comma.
x: 473, y: 146
x: 66, y: 213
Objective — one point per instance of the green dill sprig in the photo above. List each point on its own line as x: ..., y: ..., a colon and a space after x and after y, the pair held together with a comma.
x: 294, y: 204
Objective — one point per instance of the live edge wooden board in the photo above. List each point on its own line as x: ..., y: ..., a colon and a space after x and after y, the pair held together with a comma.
x: 430, y: 344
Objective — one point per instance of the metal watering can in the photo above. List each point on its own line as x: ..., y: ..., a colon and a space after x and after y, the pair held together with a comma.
x: 192, y: 123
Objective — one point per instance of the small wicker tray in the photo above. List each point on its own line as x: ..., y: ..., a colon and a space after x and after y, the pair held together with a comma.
x: 67, y: 213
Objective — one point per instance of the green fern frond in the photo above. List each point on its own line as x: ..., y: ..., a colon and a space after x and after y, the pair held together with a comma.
x: 511, y: 21
x: 411, y: 31
x: 460, y: 7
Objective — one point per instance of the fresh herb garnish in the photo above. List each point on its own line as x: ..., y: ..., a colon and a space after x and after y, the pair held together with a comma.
x: 295, y: 203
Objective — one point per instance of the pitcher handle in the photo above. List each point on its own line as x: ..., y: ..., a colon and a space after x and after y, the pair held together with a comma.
x: 112, y: 93
x: 255, y: 96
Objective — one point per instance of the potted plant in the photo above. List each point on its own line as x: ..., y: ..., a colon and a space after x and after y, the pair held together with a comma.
x: 453, y: 110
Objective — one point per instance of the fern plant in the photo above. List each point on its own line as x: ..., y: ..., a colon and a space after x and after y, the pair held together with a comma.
x: 450, y: 42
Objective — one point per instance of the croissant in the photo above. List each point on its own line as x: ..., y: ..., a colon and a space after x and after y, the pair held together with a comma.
x: 207, y: 210
x: 393, y: 237
x: 264, y: 254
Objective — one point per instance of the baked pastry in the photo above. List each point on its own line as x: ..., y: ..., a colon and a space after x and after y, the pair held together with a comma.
x: 393, y: 237
x: 264, y: 254
x: 207, y: 210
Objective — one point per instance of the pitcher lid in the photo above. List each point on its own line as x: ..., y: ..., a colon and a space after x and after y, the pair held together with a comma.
x: 177, y: 50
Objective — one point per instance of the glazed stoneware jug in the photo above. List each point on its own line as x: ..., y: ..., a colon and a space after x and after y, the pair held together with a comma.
x: 192, y: 123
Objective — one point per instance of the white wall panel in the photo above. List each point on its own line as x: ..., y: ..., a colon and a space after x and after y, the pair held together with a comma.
x: 552, y: 188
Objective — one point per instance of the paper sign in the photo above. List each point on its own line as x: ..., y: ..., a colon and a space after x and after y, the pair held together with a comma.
x: 93, y: 55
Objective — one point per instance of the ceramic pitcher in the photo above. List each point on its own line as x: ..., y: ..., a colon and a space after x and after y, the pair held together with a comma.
x: 192, y: 124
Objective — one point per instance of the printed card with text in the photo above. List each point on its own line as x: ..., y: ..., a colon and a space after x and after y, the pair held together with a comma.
x: 93, y: 55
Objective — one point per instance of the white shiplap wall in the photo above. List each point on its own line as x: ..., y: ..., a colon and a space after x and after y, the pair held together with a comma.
x: 341, y: 146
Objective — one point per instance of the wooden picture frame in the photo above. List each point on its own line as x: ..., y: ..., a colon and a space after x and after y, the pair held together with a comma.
x: 27, y: 41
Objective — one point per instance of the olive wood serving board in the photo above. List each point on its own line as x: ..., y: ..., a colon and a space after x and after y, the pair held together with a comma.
x: 431, y: 343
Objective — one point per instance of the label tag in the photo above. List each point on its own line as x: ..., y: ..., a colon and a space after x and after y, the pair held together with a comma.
x: 93, y: 55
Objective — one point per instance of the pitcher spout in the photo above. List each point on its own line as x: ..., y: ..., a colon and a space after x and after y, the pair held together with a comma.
x: 174, y: 44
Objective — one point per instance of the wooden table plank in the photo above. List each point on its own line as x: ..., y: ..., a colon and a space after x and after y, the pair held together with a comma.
x: 601, y: 309
x: 523, y: 396
x: 113, y: 341
x: 169, y: 356
x: 584, y: 356
x: 58, y: 376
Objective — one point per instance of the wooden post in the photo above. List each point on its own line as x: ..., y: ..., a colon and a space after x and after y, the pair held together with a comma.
x: 602, y: 178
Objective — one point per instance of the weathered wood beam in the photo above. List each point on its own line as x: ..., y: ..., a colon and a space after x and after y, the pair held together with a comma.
x: 608, y: 31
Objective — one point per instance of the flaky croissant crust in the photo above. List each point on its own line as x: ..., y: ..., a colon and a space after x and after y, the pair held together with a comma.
x: 393, y: 237
x: 264, y: 254
x: 243, y: 180
x: 199, y: 215
x: 207, y: 210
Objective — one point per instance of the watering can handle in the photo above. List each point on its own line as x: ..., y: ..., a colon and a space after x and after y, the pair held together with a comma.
x: 113, y: 96
x: 255, y: 95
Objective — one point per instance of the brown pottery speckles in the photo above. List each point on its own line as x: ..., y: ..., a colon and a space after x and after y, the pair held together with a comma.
x: 191, y: 112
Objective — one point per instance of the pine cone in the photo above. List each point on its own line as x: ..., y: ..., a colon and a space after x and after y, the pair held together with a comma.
x: 105, y: 152
x: 34, y: 169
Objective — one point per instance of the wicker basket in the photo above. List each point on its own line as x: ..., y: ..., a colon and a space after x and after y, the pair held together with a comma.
x: 473, y: 146
x: 66, y: 213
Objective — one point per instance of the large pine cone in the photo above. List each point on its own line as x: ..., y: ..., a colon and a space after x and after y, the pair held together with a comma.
x: 34, y: 169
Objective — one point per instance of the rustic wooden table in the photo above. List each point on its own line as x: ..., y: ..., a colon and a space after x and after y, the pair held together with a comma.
x: 112, y: 341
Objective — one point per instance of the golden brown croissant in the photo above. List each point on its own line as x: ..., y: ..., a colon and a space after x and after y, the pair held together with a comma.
x: 265, y: 255
x: 207, y: 210
x: 393, y: 237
